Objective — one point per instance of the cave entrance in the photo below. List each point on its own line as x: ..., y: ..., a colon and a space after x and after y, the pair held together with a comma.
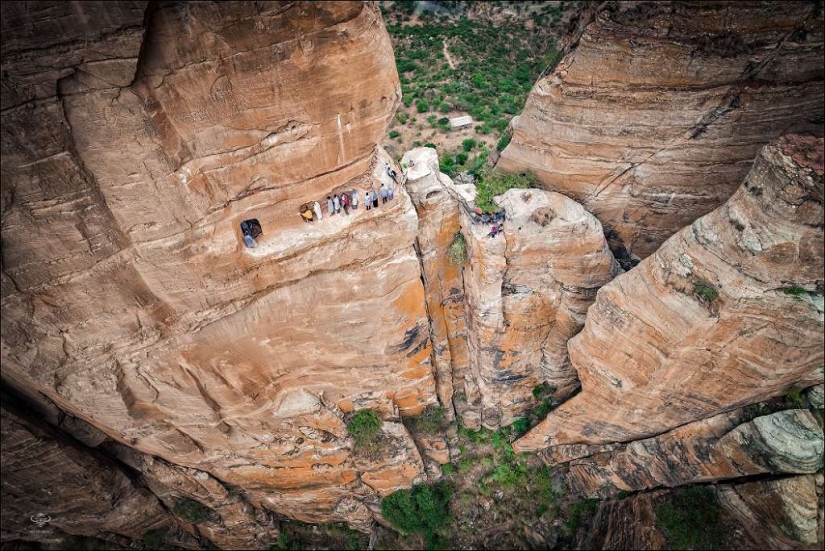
x: 251, y: 230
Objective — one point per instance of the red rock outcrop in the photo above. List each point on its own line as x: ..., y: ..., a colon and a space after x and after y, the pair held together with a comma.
x: 134, y: 141
x: 656, y: 112
x: 728, y: 312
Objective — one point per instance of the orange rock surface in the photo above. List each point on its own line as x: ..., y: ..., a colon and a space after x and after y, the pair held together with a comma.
x: 728, y: 312
x: 129, y: 298
x: 656, y: 112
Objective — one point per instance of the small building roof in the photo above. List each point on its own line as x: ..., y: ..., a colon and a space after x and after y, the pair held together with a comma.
x: 458, y: 122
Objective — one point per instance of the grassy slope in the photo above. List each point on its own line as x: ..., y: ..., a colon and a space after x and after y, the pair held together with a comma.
x: 499, y: 49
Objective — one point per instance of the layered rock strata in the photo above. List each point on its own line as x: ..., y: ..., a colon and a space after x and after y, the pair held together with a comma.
x: 656, y: 112
x: 437, y: 207
x: 526, y: 292
x: 53, y: 486
x: 778, y: 514
x: 717, y: 448
x: 728, y: 312
x: 133, y: 147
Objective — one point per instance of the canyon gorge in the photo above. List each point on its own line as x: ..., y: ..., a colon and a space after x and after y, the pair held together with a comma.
x: 657, y: 294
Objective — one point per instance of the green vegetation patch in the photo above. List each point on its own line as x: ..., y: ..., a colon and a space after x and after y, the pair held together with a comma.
x: 705, y: 290
x: 690, y: 518
x: 364, y: 426
x: 495, y: 182
x: 421, y: 510
x: 795, y: 397
x: 191, y: 510
x: 795, y: 291
x: 579, y: 512
x: 457, y: 251
x: 432, y: 420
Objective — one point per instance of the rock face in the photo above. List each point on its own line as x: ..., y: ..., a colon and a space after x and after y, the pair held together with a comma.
x: 438, y: 207
x: 655, y: 115
x: 779, y: 514
x: 134, y: 141
x: 712, y: 449
x: 48, y: 476
x: 728, y: 312
x: 526, y: 292
x: 611, y: 530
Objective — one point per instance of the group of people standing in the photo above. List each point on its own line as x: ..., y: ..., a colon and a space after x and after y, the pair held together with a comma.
x: 346, y: 201
x: 495, y: 219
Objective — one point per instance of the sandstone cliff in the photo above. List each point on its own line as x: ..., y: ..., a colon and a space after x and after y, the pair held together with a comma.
x: 134, y: 141
x: 728, y: 312
x: 525, y: 293
x: 656, y: 112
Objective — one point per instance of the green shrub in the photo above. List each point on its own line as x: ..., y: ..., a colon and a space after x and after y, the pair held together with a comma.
x: 510, y: 475
x: 705, y: 290
x: 191, y: 510
x: 795, y: 291
x: 496, y: 182
x: 520, y: 427
x: 394, y: 134
x: 430, y: 421
x: 364, y: 426
x: 795, y: 397
x: 586, y: 507
x: 444, y: 107
x: 416, y: 143
x: 422, y: 106
x: 460, y: 158
x: 421, y: 510
x: 407, y: 101
x: 690, y: 518
x: 430, y: 145
x: 432, y: 120
x: 402, y: 117
x: 457, y: 251
x: 469, y: 144
x: 503, y: 141
x: 542, y: 410
x: 541, y: 390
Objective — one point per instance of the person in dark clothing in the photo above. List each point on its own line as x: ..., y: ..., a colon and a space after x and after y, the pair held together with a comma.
x: 345, y: 202
x: 494, y: 231
x: 374, y: 199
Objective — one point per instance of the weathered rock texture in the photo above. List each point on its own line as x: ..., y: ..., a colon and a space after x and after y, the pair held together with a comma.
x: 437, y: 207
x: 624, y: 524
x: 778, y: 514
x: 134, y: 143
x: 704, y: 325
x: 784, y: 513
x: 526, y: 292
x: 80, y: 493
x: 655, y: 115
x: 712, y: 449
